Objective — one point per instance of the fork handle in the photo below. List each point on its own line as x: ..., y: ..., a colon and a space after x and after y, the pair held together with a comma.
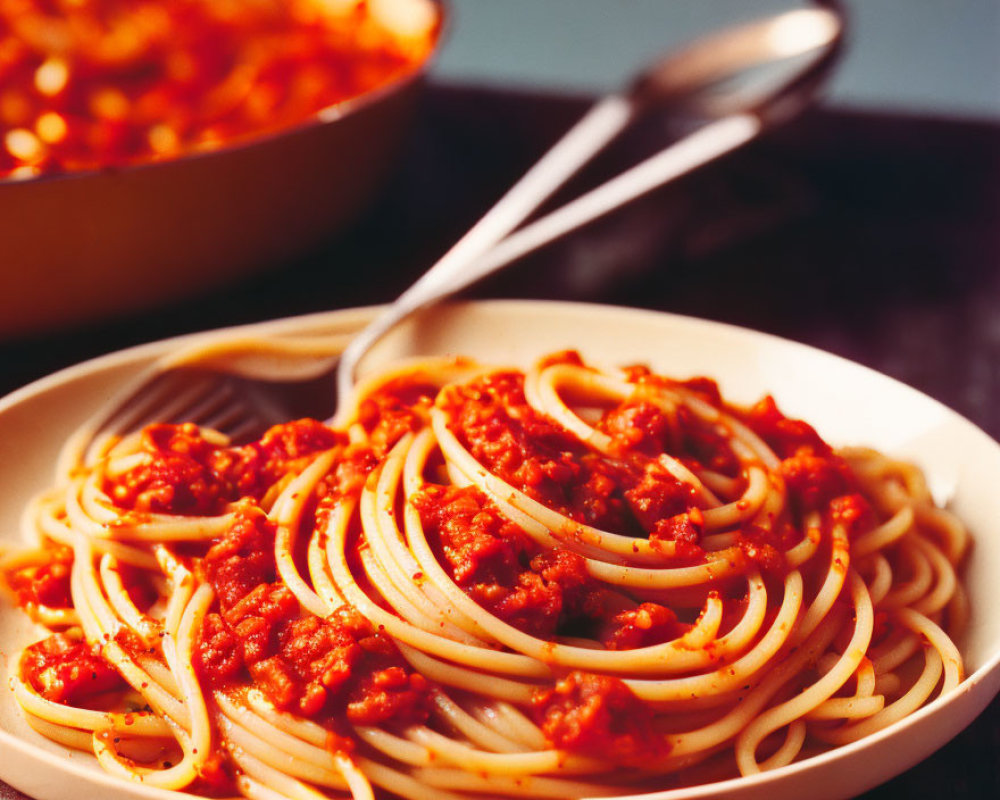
x: 487, y: 247
x: 455, y: 269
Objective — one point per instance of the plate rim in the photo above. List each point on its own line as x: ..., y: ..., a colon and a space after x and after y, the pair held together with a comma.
x: 138, y: 355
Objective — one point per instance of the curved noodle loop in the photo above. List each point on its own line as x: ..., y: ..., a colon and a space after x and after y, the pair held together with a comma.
x: 561, y: 582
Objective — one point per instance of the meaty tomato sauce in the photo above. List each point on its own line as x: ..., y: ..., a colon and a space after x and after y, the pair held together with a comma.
x: 545, y: 593
x: 340, y: 668
x: 319, y: 668
x: 66, y: 670
x: 599, y: 716
x: 494, y: 421
x: 630, y: 492
x: 816, y: 478
x: 324, y: 669
x: 183, y: 473
x: 45, y: 584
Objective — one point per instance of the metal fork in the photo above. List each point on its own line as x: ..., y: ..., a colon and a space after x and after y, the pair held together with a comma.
x: 269, y: 381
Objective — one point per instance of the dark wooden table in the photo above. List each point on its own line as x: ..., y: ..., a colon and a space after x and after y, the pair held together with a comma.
x: 874, y: 237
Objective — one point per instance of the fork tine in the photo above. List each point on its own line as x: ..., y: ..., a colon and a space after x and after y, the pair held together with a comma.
x: 163, y: 399
x: 268, y: 410
x: 210, y: 401
x: 234, y: 416
x: 239, y: 396
x: 178, y: 396
x: 205, y: 404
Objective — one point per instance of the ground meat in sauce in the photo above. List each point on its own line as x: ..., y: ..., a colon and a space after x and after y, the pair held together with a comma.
x: 319, y: 668
x: 683, y: 532
x: 46, y: 584
x: 283, y: 449
x: 183, y: 473
x: 175, y: 478
x: 765, y: 544
x: 705, y: 446
x: 658, y: 495
x: 217, y: 656
x: 478, y: 542
x: 783, y: 435
x: 639, y: 426
x: 814, y: 480
x: 492, y: 418
x: 350, y: 472
x: 69, y: 671
x: 643, y: 626
x: 340, y: 665
x: 542, y: 593
x: 394, y: 410
x: 547, y: 598
x: 242, y: 559
x: 489, y: 557
x: 314, y: 667
x: 599, y: 716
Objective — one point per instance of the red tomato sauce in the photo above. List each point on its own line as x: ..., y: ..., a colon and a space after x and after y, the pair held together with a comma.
x: 45, y: 584
x: 110, y: 82
x: 396, y: 409
x: 65, y: 670
x: 638, y: 426
x: 545, y: 593
x: 783, y: 435
x: 815, y: 477
x: 813, y: 481
x: 341, y: 667
x: 185, y: 474
x: 683, y: 532
x: 629, y: 495
x: 598, y: 715
x: 324, y: 669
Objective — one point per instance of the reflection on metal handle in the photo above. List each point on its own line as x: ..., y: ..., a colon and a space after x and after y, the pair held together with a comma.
x: 584, y: 140
x: 490, y: 244
x: 448, y: 277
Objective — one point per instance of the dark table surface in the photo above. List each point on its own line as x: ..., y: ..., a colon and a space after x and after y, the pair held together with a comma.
x: 873, y: 237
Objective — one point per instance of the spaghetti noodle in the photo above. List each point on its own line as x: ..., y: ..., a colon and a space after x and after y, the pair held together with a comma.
x: 557, y: 582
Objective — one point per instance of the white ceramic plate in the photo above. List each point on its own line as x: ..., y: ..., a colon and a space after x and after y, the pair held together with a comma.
x: 847, y: 403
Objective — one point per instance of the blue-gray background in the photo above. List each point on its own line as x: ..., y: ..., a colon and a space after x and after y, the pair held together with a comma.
x: 938, y: 57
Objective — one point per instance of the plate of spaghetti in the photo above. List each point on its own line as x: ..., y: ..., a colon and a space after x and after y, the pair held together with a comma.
x: 548, y: 550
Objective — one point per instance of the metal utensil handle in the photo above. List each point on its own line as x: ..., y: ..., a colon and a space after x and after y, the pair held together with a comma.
x: 602, y: 123
x: 490, y: 244
x: 453, y: 273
